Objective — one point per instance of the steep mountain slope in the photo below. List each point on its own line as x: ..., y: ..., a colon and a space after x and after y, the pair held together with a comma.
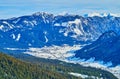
x: 43, y: 29
x: 106, y: 48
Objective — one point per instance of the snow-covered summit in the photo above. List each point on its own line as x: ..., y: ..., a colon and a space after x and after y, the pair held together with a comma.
x: 101, y: 15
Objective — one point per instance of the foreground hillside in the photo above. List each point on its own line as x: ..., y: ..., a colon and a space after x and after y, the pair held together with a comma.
x: 67, y: 68
x: 11, y: 68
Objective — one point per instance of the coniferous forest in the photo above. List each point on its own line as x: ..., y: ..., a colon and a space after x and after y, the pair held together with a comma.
x: 36, y: 68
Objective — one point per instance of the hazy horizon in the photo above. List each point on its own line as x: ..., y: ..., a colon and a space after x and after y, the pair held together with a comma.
x: 15, y: 8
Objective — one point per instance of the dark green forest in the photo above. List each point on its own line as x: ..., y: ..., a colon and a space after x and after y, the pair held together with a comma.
x: 29, y: 67
x: 11, y: 68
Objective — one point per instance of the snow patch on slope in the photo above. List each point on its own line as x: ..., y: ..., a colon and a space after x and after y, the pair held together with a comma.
x: 56, y: 24
x: 18, y: 37
x: 1, y: 27
x: 84, y: 76
x: 74, y: 27
x: 76, y: 21
x: 78, y: 75
x: 10, y: 26
x: 13, y: 36
x: 46, y: 39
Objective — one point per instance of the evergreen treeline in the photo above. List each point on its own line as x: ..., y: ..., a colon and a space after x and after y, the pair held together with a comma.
x: 56, y: 65
x: 11, y: 68
x: 37, y: 68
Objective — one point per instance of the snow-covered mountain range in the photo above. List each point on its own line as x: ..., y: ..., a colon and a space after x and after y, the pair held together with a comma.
x: 44, y: 29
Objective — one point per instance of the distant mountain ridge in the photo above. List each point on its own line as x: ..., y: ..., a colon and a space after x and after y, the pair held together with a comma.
x: 44, y: 29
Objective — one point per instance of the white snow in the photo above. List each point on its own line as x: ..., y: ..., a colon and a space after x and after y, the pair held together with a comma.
x: 95, y: 14
x: 25, y: 21
x: 29, y: 44
x: 64, y: 24
x: 115, y: 71
x: 34, y: 22
x: 18, y: 37
x: 1, y: 27
x: 8, y: 24
x: 14, y: 49
x: 65, y: 34
x: 74, y: 36
x: 13, y: 36
x: 44, y: 19
x: 76, y: 21
x: 30, y: 23
x: 83, y: 76
x: 115, y: 15
x: 74, y: 26
x: 5, y: 22
x: 78, y: 75
x: 77, y: 31
x: 16, y: 21
x: 86, y: 22
x: 46, y: 39
x: 102, y: 14
x: 56, y: 24
x: 45, y: 32
x: 53, y: 52
x: 61, y: 31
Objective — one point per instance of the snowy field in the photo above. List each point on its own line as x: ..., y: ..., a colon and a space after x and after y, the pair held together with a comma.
x: 53, y: 52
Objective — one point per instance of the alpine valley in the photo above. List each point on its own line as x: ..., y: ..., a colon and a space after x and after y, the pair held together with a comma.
x: 72, y: 41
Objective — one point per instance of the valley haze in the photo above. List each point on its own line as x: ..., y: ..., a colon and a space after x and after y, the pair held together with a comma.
x: 26, y: 7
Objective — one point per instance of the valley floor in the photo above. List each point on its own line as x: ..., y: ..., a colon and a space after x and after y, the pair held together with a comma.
x: 66, y: 53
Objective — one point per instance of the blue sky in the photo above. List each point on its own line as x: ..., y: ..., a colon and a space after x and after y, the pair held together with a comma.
x: 14, y: 8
